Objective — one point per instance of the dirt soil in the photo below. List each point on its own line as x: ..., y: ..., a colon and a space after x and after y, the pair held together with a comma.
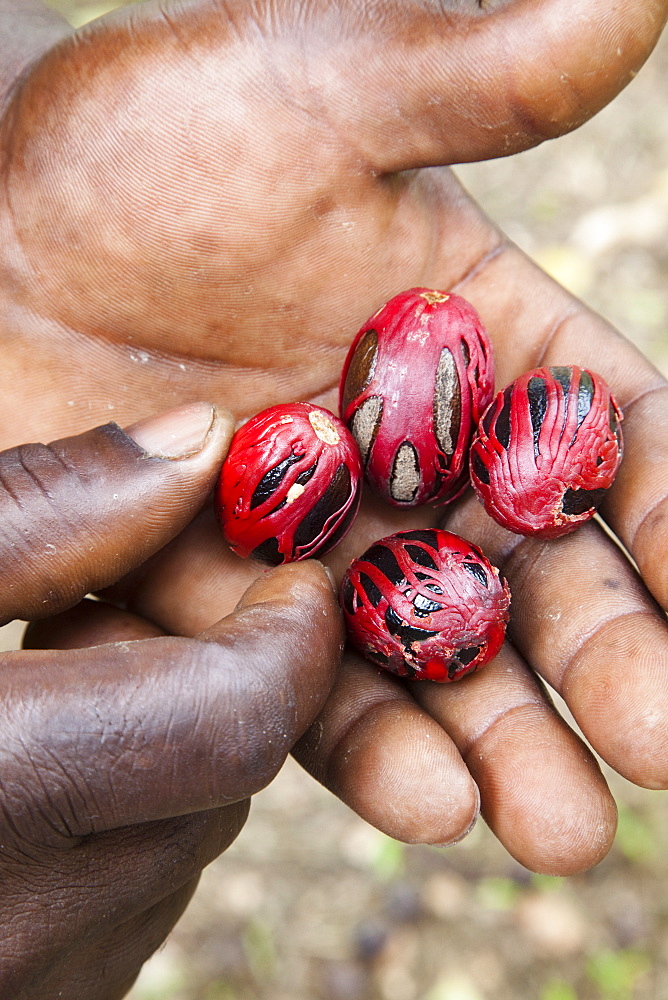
x: 311, y: 903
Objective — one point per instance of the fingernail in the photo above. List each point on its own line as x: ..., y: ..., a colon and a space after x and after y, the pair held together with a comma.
x: 461, y: 836
x: 330, y: 576
x: 177, y: 433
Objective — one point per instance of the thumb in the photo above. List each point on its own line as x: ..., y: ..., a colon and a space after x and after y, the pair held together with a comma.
x: 79, y: 513
x: 458, y: 81
x: 408, y: 84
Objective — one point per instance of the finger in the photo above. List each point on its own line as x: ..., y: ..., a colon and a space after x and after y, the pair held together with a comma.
x: 637, y: 508
x: 108, y: 969
x: 89, y: 623
x: 573, y: 783
x: 533, y: 321
x: 602, y: 643
x: 391, y: 76
x: 533, y: 70
x: 131, y: 732
x: 79, y: 513
x: 584, y: 620
x: 371, y: 744
x: 122, y: 879
x: 542, y: 792
x: 197, y: 579
x: 388, y: 760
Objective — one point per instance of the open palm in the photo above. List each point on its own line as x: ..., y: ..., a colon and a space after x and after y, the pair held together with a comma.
x: 204, y: 200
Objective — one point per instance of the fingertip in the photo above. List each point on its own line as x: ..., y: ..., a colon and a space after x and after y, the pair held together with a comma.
x: 196, y: 428
x: 221, y: 431
x: 389, y: 761
x: 617, y: 686
x: 100, y: 503
x: 546, y: 798
x: 543, y: 793
x: 305, y: 581
x: 461, y: 823
x: 288, y: 629
x: 399, y: 770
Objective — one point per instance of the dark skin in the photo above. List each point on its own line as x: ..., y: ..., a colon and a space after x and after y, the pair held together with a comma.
x: 127, y: 766
x: 207, y: 200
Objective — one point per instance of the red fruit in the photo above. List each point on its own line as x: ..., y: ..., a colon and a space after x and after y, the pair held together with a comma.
x: 546, y: 451
x: 290, y: 486
x: 425, y: 604
x: 416, y: 380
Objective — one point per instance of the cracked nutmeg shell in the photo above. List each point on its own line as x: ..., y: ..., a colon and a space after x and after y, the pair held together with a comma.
x: 417, y: 378
x: 426, y: 605
x: 290, y: 486
x: 547, y: 450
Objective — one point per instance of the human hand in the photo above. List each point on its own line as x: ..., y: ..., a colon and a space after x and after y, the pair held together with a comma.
x: 210, y: 199
x: 127, y: 766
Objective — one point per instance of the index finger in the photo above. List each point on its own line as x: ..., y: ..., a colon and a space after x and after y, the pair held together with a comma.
x: 105, y: 737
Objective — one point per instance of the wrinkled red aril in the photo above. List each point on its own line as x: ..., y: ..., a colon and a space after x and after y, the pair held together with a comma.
x: 546, y: 451
x: 416, y: 380
x: 290, y: 486
x: 425, y: 604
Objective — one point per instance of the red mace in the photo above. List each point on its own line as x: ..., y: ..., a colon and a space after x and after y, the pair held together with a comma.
x: 547, y: 450
x: 416, y: 380
x: 425, y: 604
x: 290, y: 486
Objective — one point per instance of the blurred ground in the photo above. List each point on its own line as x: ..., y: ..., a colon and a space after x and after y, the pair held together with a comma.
x: 312, y: 904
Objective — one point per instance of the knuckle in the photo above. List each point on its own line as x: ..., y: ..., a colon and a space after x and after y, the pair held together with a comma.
x: 46, y: 500
x: 37, y: 800
x: 37, y: 486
